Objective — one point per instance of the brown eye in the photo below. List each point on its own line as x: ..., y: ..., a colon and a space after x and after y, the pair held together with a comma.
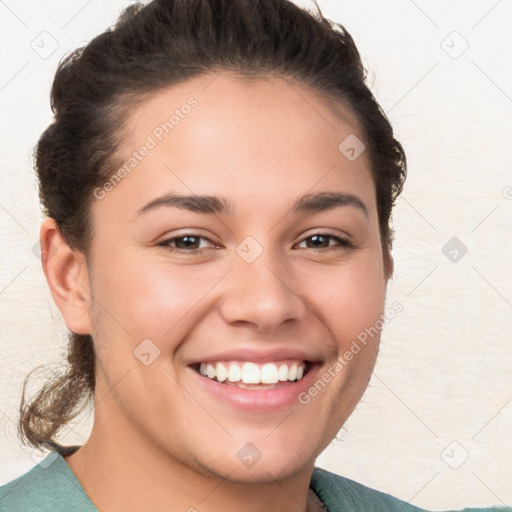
x: 186, y: 243
x: 322, y: 241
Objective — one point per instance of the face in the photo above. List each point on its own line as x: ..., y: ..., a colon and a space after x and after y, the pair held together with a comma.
x: 269, y: 271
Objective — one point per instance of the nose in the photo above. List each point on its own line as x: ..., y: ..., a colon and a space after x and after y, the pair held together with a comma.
x: 263, y: 294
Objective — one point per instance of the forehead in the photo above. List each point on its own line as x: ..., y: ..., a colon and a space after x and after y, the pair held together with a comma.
x: 223, y: 135
x: 227, y: 94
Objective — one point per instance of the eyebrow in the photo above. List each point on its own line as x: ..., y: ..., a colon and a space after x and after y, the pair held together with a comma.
x: 314, y: 203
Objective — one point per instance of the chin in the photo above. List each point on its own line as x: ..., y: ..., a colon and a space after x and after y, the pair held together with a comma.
x: 265, y: 474
x: 266, y: 469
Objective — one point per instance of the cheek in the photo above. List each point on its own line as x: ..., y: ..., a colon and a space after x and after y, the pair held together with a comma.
x: 144, y: 298
x: 350, y: 299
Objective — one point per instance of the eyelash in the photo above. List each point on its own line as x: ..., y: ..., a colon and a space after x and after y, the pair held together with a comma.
x: 342, y: 243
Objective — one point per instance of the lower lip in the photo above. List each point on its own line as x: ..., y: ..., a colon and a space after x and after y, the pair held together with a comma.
x: 255, y: 400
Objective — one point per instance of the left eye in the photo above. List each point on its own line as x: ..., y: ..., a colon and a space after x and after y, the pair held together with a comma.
x: 321, y: 241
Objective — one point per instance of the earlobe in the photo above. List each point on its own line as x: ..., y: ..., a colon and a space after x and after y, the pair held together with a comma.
x: 67, y: 276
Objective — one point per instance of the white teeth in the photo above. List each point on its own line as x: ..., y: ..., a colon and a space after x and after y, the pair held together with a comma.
x: 222, y: 372
x: 252, y: 373
x: 282, y: 373
x: 292, y: 372
x: 269, y: 374
x: 234, y: 373
x: 210, y: 371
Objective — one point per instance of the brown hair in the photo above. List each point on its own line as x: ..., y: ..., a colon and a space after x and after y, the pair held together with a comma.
x: 155, y: 46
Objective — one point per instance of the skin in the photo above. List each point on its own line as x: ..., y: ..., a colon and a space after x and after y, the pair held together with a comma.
x: 160, y: 441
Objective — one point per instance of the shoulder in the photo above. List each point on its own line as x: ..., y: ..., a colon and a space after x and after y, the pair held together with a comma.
x: 339, y: 494
x: 48, y: 486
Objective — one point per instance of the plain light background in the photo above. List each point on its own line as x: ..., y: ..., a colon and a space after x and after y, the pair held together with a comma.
x: 434, y: 426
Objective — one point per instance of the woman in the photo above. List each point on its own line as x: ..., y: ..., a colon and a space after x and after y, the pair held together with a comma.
x: 218, y: 183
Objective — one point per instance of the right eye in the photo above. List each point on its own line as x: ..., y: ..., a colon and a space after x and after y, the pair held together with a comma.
x: 188, y: 243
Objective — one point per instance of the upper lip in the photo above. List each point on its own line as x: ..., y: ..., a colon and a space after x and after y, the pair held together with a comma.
x: 257, y: 356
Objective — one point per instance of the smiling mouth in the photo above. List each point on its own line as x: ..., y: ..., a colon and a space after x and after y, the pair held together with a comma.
x: 250, y: 375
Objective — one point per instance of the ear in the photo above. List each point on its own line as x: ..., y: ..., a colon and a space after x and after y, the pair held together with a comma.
x: 67, y: 276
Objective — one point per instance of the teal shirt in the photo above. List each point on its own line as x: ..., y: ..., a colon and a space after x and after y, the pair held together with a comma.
x: 51, y: 486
